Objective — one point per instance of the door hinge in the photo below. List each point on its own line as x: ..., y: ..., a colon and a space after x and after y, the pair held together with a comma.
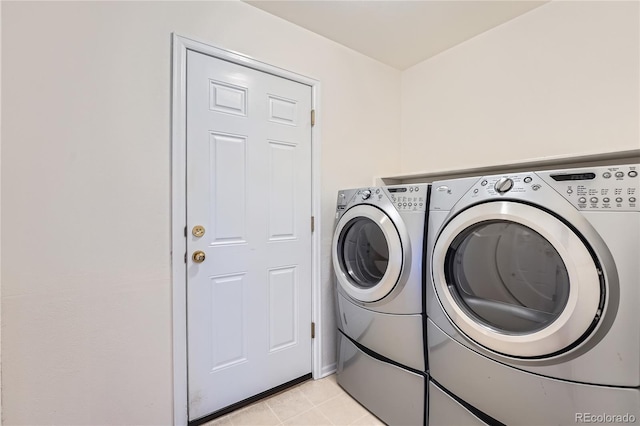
x: 313, y: 223
x: 313, y: 330
x: 313, y: 117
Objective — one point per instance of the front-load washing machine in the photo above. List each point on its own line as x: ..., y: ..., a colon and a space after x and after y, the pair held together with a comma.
x: 377, y: 255
x: 534, y: 297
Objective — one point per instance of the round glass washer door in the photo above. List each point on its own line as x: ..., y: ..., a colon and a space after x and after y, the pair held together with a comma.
x: 516, y: 279
x: 367, y: 253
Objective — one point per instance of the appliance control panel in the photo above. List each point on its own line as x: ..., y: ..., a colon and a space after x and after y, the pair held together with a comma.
x: 606, y: 188
x: 344, y: 198
x: 598, y: 188
x: 510, y: 184
x: 409, y: 197
x: 404, y: 197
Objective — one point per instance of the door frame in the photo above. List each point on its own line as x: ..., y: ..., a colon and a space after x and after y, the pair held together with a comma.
x: 180, y: 46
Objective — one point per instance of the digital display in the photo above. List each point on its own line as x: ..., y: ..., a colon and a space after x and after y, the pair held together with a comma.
x: 397, y: 189
x: 574, y: 176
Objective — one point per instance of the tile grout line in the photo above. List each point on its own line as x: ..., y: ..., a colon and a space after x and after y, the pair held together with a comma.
x: 311, y: 404
x: 318, y: 405
x: 340, y: 392
x: 277, y: 416
x: 368, y: 413
x: 271, y: 409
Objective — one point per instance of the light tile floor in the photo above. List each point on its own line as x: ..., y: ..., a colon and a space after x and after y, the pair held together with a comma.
x: 314, y: 402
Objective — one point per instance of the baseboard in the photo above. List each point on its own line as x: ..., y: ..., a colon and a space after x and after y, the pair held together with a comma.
x: 328, y: 370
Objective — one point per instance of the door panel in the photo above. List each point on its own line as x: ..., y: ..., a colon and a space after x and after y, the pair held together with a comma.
x: 228, y: 328
x: 249, y: 186
x: 228, y: 187
x: 282, y: 196
x: 282, y: 308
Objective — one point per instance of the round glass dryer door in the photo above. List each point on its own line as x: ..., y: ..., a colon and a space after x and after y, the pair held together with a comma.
x: 364, y: 252
x: 367, y: 253
x: 507, y: 276
x: 516, y: 279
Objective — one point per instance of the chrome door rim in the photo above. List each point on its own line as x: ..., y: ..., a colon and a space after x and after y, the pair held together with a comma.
x: 395, y: 263
x: 584, y: 298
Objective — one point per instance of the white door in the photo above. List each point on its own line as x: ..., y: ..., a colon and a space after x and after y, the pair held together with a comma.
x: 249, y: 188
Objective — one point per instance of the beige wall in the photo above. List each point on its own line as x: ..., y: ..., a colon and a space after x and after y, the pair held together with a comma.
x: 86, y: 296
x: 86, y: 290
x: 560, y: 80
x: 0, y: 218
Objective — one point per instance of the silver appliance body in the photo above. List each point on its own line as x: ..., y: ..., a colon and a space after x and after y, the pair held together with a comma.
x: 377, y: 254
x: 534, y: 294
x: 445, y: 410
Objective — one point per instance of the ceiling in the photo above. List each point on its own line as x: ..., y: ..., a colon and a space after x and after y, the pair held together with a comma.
x: 399, y: 33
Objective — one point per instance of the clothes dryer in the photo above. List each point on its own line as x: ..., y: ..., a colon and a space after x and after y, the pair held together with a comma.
x: 377, y: 254
x: 534, y: 295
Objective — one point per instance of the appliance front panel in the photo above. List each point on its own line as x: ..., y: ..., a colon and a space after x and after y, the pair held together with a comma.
x: 516, y: 397
x: 393, y: 336
x: 393, y: 394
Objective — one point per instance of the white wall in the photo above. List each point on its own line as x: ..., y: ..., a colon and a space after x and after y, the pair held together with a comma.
x: 560, y: 80
x: 86, y: 296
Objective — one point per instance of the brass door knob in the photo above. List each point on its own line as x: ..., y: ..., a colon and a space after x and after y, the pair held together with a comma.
x: 198, y: 256
x: 198, y: 231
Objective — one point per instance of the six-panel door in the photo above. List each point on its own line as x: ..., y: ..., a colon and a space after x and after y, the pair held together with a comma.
x: 249, y: 187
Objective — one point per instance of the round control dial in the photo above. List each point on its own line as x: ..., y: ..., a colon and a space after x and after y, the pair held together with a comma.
x: 366, y: 194
x: 503, y: 185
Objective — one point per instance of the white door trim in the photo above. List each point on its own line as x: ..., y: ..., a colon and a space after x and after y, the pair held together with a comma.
x: 178, y: 208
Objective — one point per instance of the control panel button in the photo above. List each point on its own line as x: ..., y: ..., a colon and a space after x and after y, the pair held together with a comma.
x: 582, y: 200
x: 606, y: 200
x: 416, y: 189
x: 484, y: 183
x: 528, y: 179
x: 619, y: 174
x: 594, y: 199
x: 606, y: 175
x: 633, y: 173
x: 619, y: 200
x: 569, y: 191
x: 366, y: 194
x: 632, y: 199
x: 535, y: 187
